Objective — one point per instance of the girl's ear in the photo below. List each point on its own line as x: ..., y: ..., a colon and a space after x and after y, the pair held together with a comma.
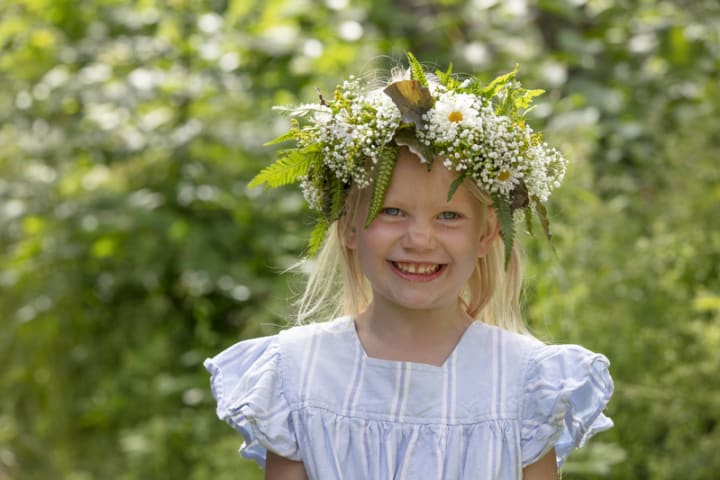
x: 490, y: 233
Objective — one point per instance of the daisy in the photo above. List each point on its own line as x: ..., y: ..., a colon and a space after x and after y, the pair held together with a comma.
x: 505, y: 181
x: 455, y: 110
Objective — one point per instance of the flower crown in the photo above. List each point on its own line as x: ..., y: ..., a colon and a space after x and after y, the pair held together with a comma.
x: 476, y: 130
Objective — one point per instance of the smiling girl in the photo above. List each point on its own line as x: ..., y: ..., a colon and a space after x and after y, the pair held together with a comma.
x: 412, y: 361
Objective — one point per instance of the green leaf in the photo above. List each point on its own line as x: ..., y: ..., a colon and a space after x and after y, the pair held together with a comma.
x: 446, y: 77
x: 317, y: 236
x: 542, y: 215
x: 455, y: 185
x: 507, y: 227
x: 528, y: 220
x: 499, y: 83
x: 285, y: 137
x: 333, y: 197
x: 338, y: 201
x: 285, y: 170
x: 383, y: 175
x: 416, y: 70
x: 523, y: 97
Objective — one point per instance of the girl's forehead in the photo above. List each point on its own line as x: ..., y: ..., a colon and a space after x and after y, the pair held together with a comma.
x: 412, y: 180
x: 409, y: 166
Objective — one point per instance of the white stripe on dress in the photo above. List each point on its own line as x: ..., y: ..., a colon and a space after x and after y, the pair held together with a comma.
x: 310, y: 359
x: 403, y: 475
x: 445, y: 407
x: 353, y: 385
x: 398, y: 390
x: 495, y: 380
x: 406, y: 389
x: 452, y: 387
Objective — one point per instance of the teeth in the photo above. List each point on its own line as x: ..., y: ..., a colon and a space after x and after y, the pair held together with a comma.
x: 421, y: 268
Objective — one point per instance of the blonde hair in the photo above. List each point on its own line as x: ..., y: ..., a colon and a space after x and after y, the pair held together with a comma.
x: 336, y: 285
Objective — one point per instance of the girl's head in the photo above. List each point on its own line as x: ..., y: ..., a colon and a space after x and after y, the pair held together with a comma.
x: 474, y: 136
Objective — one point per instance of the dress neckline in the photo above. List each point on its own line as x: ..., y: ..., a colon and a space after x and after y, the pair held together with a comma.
x: 394, y: 364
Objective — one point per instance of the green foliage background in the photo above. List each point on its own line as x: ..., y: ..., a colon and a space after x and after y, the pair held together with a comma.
x: 131, y: 249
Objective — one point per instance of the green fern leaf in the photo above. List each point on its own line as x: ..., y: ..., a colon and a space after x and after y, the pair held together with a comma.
x: 507, y: 227
x: 528, y: 220
x: 287, y: 136
x: 383, y: 175
x: 446, y: 77
x: 338, y: 201
x: 285, y: 170
x: 543, y: 217
x: 455, y: 185
x: 317, y: 236
x: 416, y: 70
x: 499, y: 83
x: 524, y: 98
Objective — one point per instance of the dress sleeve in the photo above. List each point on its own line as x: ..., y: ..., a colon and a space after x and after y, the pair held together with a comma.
x: 566, y: 390
x: 247, y: 384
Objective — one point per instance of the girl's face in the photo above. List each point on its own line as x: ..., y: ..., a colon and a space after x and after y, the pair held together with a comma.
x: 421, y: 249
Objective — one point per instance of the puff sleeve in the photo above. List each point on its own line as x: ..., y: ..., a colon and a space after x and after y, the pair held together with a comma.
x: 566, y: 390
x: 247, y: 384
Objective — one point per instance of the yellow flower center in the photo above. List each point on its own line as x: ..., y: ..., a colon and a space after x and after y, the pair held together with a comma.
x: 503, y: 175
x: 455, y: 116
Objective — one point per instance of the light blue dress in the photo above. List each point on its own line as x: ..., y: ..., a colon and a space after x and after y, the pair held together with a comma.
x: 499, y: 403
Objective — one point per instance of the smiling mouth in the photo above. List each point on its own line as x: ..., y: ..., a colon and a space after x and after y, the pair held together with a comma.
x: 418, y: 268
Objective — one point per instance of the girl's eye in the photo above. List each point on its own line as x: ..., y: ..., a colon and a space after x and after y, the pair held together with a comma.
x: 449, y: 216
x: 391, y: 211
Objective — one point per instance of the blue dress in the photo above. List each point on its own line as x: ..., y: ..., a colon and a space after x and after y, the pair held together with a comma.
x: 500, y: 402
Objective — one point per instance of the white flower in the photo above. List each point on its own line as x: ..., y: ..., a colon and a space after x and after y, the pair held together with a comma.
x: 455, y: 110
x: 322, y: 115
x: 505, y: 181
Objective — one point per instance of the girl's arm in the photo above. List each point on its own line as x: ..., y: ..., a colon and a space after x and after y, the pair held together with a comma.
x: 543, y: 469
x: 280, y: 468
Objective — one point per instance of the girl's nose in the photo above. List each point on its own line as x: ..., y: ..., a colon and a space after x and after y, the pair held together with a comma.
x: 419, y: 236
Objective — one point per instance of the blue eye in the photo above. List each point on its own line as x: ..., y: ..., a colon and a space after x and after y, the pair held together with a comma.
x: 449, y: 216
x: 391, y: 211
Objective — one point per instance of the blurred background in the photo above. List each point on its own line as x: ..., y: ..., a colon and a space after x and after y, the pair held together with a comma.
x: 131, y: 249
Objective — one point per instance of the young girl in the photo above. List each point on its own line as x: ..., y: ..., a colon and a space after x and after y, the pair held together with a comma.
x: 422, y: 368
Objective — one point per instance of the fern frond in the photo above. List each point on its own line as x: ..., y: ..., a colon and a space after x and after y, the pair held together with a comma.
x: 543, y: 217
x: 383, y: 175
x: 507, y: 227
x: 287, y: 136
x: 446, y: 77
x: 416, y: 70
x: 499, y: 83
x: 455, y: 185
x: 524, y: 98
x: 337, y: 205
x: 317, y: 236
x: 284, y: 171
x: 528, y: 220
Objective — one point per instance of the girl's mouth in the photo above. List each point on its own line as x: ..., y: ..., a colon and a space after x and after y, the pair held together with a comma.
x: 421, y: 268
x: 418, y: 271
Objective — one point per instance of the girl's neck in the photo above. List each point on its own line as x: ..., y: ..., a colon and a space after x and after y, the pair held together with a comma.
x: 424, y: 336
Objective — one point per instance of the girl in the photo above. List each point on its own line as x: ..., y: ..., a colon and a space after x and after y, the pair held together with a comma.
x: 424, y: 370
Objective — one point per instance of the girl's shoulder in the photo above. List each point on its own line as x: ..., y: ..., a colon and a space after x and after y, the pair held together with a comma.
x: 298, y: 344
x: 307, y: 332
x: 566, y: 389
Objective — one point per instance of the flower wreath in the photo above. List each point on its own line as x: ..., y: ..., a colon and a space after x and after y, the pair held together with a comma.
x: 476, y: 130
